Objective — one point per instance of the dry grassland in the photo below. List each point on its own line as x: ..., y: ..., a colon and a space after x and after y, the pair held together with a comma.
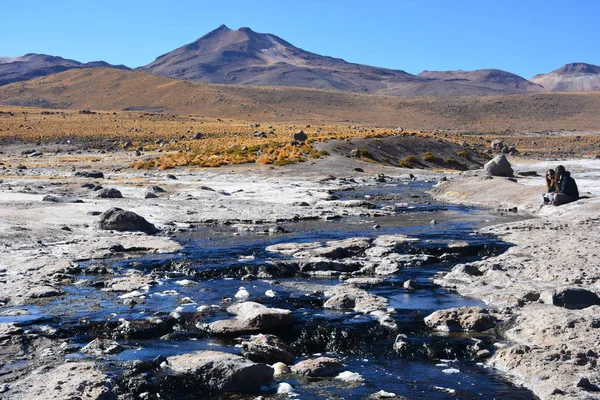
x: 180, y: 140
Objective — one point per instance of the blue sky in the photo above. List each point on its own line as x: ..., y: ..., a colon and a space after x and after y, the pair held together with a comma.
x: 523, y: 37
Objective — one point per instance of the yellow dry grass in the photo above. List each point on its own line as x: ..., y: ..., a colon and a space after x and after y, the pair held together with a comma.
x: 222, y: 141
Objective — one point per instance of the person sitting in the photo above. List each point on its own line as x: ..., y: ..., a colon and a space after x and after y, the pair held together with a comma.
x: 567, y: 188
x: 551, y: 187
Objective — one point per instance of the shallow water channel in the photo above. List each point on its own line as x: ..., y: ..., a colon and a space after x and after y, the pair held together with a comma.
x: 209, y: 270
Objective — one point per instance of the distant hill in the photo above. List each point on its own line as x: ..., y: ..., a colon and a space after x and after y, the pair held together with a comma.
x: 15, y: 69
x: 575, y: 77
x: 245, y: 57
x: 113, y: 89
x: 491, y: 77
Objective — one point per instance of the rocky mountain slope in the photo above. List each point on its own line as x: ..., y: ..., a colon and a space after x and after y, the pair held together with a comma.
x: 246, y: 57
x: 575, y: 77
x: 491, y: 77
x: 112, y: 89
x: 15, y: 69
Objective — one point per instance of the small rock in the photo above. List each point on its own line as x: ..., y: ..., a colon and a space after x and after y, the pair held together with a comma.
x: 150, y: 195
x: 463, y: 319
x: 319, y: 367
x: 410, y: 284
x: 268, y: 349
x: 61, y: 199
x: 90, y: 174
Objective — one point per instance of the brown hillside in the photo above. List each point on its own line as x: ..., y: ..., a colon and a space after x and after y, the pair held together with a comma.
x: 111, y: 89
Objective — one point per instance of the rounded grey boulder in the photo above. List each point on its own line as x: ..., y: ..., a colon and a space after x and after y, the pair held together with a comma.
x: 117, y: 219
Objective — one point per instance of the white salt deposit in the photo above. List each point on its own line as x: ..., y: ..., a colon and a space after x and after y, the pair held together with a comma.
x: 348, y: 376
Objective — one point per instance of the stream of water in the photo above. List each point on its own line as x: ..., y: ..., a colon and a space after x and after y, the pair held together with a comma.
x: 208, y: 271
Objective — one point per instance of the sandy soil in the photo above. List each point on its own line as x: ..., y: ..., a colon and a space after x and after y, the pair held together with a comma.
x: 554, y: 347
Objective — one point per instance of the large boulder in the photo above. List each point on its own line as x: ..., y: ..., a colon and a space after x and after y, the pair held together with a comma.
x: 499, y: 166
x: 268, y: 349
x: 572, y: 298
x: 90, y: 174
x: 109, y: 193
x: 218, y: 372
x: 300, y: 136
x: 463, y: 319
x: 250, y: 317
x: 117, y: 219
x: 319, y: 367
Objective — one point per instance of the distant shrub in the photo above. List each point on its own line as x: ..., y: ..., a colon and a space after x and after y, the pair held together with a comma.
x: 429, y: 157
x: 464, y: 154
x: 454, y: 163
x: 409, y: 162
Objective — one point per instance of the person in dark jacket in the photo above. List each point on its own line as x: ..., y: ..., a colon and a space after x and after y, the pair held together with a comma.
x: 567, y: 188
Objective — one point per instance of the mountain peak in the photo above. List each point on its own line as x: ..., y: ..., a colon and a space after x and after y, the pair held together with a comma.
x: 573, y: 77
x: 578, y: 69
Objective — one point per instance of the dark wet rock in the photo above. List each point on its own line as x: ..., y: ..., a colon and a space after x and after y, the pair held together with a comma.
x: 61, y: 199
x: 572, y: 298
x: 267, y: 349
x: 157, y: 189
x: 215, y: 372
x: 88, y: 185
x: 499, y: 166
x: 585, y: 384
x: 250, y: 317
x: 463, y: 319
x: 122, y: 220
x: 483, y: 354
x: 171, y: 176
x: 109, y: 193
x: 324, y: 266
x: 350, y: 204
x: 90, y: 174
x: 99, y: 347
x: 151, y: 328
x: 94, y: 213
x: 318, y: 367
x: 39, y: 292
x: 150, y: 195
x: 197, y: 136
x: 277, y: 230
x: 300, y: 204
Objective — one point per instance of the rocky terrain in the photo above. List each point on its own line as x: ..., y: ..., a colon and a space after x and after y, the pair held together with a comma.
x: 58, y: 216
x: 547, y: 283
x: 485, y: 76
